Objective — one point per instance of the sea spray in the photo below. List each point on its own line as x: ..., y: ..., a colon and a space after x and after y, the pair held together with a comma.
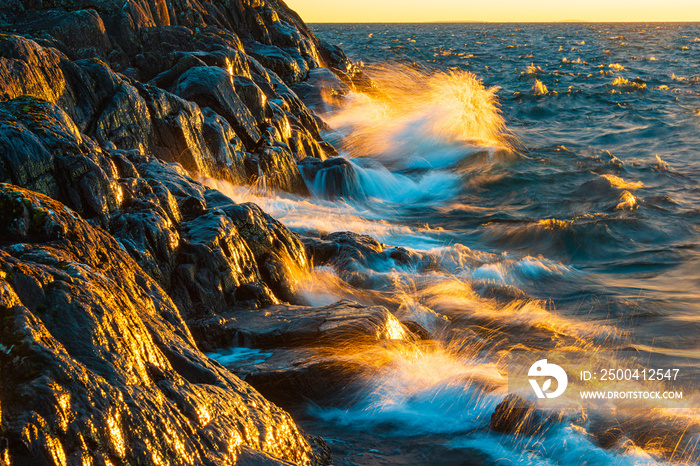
x: 421, y: 119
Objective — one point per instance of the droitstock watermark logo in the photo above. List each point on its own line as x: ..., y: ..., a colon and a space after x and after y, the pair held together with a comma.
x: 549, y: 372
x: 603, y: 379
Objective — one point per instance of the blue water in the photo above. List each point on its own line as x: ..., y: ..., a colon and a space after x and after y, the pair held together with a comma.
x: 548, y: 176
x: 594, y: 205
x: 645, y: 131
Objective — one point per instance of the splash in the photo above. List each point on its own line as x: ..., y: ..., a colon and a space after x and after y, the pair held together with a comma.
x: 627, y: 201
x: 421, y: 119
x: 616, y: 67
x: 618, y: 182
x: 539, y: 88
x: 624, y: 83
x: 323, y: 216
x: 532, y: 69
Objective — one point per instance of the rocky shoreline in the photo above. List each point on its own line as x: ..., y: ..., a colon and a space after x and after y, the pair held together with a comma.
x: 118, y: 268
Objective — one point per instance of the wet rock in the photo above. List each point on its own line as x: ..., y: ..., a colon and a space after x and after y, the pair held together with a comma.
x: 289, y: 65
x: 307, y: 353
x: 212, y: 87
x: 215, y: 261
x: 27, y: 69
x: 299, y: 326
x: 167, y: 78
x: 333, y: 178
x: 322, y: 90
x: 279, y: 170
x: 300, y: 375
x: 516, y: 415
x: 125, y: 120
x: 226, y: 147
x: 104, y: 366
x: 80, y: 31
x: 42, y: 149
x: 356, y: 258
x: 279, y: 254
x: 106, y: 353
x: 252, y: 96
x: 188, y: 192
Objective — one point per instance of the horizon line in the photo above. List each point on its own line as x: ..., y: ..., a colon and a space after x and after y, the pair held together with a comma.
x: 503, y: 22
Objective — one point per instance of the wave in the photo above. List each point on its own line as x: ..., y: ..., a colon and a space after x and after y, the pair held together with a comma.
x: 420, y: 119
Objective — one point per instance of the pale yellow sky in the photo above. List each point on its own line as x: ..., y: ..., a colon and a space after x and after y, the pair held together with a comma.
x: 363, y: 11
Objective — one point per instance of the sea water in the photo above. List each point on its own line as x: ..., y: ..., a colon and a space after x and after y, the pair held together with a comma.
x: 550, y: 172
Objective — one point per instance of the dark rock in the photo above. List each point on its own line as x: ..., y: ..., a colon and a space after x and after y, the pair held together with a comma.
x: 300, y: 375
x: 516, y: 415
x: 221, y: 259
x: 357, y: 258
x: 322, y: 90
x: 226, y: 147
x: 167, y: 78
x: 80, y: 31
x: 27, y: 69
x: 188, y: 193
x: 279, y: 254
x: 252, y: 96
x: 212, y: 87
x: 307, y: 352
x: 293, y: 326
x: 333, y: 178
x: 105, y: 367
x: 280, y: 171
x: 288, y: 65
x: 347, y: 250
x: 102, y: 365
x: 41, y: 148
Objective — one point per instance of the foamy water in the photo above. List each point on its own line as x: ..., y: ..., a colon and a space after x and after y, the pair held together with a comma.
x: 547, y: 177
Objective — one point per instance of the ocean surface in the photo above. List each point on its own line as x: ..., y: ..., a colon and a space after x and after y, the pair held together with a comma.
x: 551, y: 173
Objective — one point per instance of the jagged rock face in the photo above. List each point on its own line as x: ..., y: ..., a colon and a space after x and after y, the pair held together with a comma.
x: 198, y: 244
x: 42, y: 149
x: 103, y: 367
x: 202, y: 124
x: 109, y: 248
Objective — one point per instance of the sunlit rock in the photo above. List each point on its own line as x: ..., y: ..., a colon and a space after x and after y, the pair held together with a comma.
x: 102, y: 365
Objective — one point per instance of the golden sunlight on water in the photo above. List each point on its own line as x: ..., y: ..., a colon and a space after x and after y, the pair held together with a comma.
x: 454, y: 382
x: 414, y: 112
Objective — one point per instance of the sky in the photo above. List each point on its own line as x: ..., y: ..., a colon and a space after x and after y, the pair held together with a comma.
x: 384, y: 11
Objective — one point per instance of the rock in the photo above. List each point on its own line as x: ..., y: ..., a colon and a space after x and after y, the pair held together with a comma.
x: 322, y: 91
x: 167, y: 78
x: 356, y: 257
x: 252, y: 96
x: 27, y: 69
x: 279, y: 254
x: 333, y: 178
x: 42, y: 149
x: 288, y: 65
x: 278, y: 170
x: 104, y: 366
x: 125, y: 120
x: 215, y: 261
x: 212, y: 87
x: 82, y: 31
x: 291, y: 377
x: 298, y: 326
x: 226, y: 147
x: 146, y: 227
x: 97, y: 292
x: 516, y: 415
x: 306, y: 352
